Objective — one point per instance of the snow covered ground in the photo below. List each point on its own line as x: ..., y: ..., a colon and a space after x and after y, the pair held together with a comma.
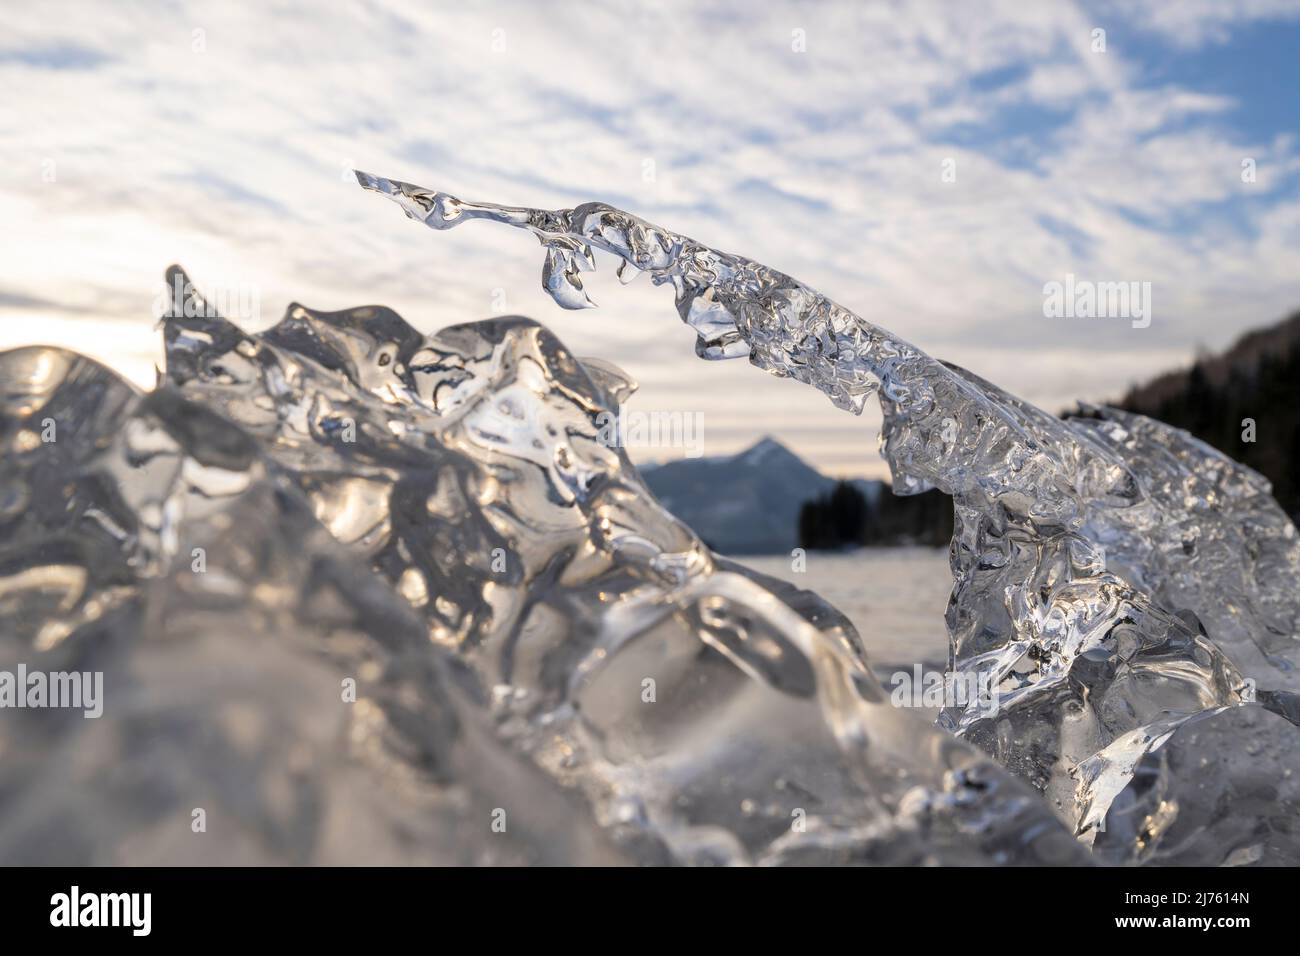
x: 894, y: 596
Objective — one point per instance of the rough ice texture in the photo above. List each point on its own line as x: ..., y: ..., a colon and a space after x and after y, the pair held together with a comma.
x: 548, y: 666
x: 435, y: 518
x: 1119, y: 582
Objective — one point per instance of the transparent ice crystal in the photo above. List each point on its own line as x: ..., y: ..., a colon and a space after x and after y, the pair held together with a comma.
x: 548, y: 667
x: 363, y: 595
x: 1123, y: 587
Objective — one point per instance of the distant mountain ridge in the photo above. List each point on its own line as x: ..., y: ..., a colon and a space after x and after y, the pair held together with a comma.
x: 747, y: 503
x: 1244, y: 401
x: 1242, y: 358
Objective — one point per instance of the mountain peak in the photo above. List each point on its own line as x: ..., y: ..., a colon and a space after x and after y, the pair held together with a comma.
x: 765, y: 449
x: 746, y: 503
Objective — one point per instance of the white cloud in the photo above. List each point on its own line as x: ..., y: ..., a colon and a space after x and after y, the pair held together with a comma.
x: 1194, y: 23
x: 824, y: 164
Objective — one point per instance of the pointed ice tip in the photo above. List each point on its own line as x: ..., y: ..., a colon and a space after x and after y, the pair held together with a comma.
x: 367, y: 181
x: 572, y: 303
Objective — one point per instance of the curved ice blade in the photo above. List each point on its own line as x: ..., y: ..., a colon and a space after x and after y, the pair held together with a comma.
x: 1111, y: 574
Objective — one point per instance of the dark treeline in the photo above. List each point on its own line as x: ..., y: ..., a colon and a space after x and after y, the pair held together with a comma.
x: 1268, y: 394
x: 845, y: 518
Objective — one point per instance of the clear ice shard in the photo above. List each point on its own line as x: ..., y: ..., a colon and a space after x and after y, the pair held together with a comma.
x: 1131, y: 595
x: 544, y: 665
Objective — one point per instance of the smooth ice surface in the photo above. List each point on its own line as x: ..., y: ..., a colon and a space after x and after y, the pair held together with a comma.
x: 1118, y: 582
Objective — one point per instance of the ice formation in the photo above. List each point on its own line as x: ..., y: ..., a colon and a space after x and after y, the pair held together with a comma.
x: 361, y: 595
x: 547, y: 667
x: 1132, y: 595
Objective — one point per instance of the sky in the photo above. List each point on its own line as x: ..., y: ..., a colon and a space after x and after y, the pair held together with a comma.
x: 932, y: 167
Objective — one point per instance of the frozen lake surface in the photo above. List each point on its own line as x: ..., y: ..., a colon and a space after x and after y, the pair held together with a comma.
x: 896, y: 597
